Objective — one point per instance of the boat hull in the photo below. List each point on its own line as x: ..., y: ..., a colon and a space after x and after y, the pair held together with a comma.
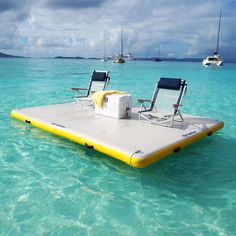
x: 119, y: 61
x: 213, y: 60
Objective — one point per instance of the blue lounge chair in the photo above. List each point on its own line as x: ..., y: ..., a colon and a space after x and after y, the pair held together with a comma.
x: 164, y: 107
x: 98, y: 82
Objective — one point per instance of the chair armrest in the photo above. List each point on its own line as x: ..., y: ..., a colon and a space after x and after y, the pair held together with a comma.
x: 177, y: 105
x: 147, y: 110
x: 77, y: 89
x: 80, y: 96
x: 144, y: 100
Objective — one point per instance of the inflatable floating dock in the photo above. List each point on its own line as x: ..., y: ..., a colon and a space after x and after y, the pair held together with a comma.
x: 131, y: 140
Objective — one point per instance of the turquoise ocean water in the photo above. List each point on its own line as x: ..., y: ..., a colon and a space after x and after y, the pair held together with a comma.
x: 51, y: 186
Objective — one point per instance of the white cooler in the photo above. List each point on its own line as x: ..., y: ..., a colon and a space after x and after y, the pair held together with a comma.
x: 116, y: 105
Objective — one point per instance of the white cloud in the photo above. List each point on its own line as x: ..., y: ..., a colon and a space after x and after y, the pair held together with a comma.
x: 183, y: 28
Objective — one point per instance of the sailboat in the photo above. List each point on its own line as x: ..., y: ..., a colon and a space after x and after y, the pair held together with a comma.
x: 120, y: 59
x: 158, y: 54
x: 215, y: 59
x: 104, y: 58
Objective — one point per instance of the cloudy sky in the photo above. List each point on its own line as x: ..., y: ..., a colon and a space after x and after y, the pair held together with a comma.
x: 183, y: 28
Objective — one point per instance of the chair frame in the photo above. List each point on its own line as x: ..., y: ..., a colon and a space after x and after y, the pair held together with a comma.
x: 176, y: 107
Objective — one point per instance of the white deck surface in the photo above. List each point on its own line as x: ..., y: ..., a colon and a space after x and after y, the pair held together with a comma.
x: 124, y: 135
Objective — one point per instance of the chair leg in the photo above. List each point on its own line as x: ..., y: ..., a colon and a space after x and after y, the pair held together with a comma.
x: 139, y: 116
x: 176, y: 113
x: 144, y: 117
x: 172, y: 119
x: 141, y: 109
x: 182, y: 119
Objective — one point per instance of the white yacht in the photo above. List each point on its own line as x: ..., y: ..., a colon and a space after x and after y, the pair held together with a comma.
x: 103, y: 59
x: 129, y: 57
x: 214, y: 59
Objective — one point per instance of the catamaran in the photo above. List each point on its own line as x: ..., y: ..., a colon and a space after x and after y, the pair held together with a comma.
x: 215, y: 59
x: 120, y: 59
x: 129, y: 57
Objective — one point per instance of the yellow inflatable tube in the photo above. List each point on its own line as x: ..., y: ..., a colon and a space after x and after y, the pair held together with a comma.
x: 132, y: 160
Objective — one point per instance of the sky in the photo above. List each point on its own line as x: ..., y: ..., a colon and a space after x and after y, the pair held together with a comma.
x: 182, y: 28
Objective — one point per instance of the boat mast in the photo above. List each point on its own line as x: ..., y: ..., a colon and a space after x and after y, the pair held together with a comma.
x: 104, y: 48
x: 158, y: 52
x: 218, y: 34
x: 121, y: 40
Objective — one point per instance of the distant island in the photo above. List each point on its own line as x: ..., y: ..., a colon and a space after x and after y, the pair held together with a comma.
x: 61, y: 57
x: 187, y: 59
x: 9, y: 56
x: 137, y: 58
x: 170, y: 59
x: 96, y: 58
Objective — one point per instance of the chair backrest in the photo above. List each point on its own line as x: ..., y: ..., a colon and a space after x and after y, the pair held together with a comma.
x: 168, y: 91
x: 99, y: 81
